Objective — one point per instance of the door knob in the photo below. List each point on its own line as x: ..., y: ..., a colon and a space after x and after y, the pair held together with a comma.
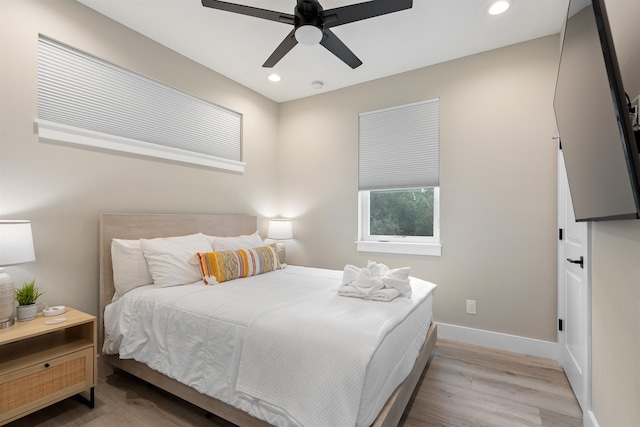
x: 580, y: 261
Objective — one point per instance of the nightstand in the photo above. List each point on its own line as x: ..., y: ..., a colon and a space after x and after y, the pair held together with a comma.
x: 42, y: 364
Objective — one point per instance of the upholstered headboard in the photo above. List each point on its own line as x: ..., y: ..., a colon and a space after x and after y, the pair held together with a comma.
x: 147, y: 226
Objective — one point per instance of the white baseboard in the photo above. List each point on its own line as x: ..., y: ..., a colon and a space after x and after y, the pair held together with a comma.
x: 589, y: 419
x: 499, y: 341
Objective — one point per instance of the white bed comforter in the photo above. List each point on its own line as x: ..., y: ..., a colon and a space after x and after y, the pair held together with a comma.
x: 282, y: 346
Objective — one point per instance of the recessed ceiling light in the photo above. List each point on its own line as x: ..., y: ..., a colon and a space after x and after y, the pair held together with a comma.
x: 498, y: 7
x: 317, y: 84
x: 274, y: 77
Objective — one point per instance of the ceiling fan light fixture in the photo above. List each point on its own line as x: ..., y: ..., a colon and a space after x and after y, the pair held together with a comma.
x: 312, y: 24
x: 308, y: 35
x: 498, y: 7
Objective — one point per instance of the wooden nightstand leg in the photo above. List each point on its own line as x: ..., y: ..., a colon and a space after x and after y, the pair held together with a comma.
x: 91, y: 401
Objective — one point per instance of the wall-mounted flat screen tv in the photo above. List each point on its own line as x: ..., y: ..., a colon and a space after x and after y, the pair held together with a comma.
x: 592, y: 112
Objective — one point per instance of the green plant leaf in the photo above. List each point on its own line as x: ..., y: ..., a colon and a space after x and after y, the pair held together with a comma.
x: 28, y: 293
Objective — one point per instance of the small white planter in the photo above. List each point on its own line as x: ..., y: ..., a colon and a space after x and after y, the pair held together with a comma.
x: 27, y: 312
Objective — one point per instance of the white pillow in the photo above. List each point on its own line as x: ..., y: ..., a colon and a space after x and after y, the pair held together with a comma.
x: 248, y: 241
x: 130, y: 268
x: 169, y: 258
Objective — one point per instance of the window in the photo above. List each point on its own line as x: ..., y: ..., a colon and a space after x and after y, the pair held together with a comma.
x: 399, y: 193
x: 87, y: 101
x: 402, y: 215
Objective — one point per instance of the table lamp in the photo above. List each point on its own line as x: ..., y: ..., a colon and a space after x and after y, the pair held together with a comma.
x: 280, y: 229
x: 16, y: 247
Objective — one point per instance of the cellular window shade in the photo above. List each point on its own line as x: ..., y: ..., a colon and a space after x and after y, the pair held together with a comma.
x: 399, y: 147
x: 81, y: 94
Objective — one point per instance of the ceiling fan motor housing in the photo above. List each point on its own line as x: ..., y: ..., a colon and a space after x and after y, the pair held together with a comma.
x: 308, y: 20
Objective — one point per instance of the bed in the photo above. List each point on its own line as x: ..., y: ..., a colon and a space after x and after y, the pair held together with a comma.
x: 236, y: 407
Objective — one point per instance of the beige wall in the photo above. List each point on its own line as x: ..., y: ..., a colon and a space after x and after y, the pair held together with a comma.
x: 616, y: 328
x: 498, y: 183
x: 616, y: 269
x: 63, y: 189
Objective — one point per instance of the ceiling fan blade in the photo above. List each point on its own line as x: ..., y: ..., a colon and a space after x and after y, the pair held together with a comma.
x: 250, y: 11
x: 339, y: 49
x: 357, y: 12
x: 287, y: 44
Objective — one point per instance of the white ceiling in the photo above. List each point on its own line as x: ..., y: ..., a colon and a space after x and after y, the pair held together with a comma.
x: 236, y: 46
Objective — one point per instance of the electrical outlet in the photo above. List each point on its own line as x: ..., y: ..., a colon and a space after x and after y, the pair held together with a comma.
x: 471, y: 306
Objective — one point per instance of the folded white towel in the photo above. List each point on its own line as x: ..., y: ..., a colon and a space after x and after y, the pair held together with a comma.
x: 375, y: 282
x: 380, y: 295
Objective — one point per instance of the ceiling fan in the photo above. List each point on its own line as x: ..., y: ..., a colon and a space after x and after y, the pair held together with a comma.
x: 312, y: 24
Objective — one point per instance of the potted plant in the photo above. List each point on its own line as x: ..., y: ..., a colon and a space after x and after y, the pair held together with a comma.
x: 26, y: 297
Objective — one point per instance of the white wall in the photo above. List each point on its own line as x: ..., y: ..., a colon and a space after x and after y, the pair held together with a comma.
x: 62, y: 189
x: 498, y: 183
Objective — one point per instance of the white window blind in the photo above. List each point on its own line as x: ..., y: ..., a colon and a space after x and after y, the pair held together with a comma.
x: 85, y: 100
x: 399, y: 147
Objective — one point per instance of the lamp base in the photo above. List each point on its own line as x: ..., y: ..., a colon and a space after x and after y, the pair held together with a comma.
x: 7, y: 300
x: 282, y: 252
x: 7, y: 323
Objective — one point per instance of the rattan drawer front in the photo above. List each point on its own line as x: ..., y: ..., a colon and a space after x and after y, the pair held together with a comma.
x: 44, y: 383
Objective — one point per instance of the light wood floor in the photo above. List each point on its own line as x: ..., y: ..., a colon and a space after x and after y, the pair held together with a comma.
x: 464, y: 386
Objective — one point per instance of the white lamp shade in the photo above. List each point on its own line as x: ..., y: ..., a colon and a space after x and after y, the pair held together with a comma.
x: 280, y: 229
x: 16, y: 242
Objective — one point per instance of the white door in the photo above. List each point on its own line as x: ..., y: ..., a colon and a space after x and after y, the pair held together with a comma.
x: 574, y: 294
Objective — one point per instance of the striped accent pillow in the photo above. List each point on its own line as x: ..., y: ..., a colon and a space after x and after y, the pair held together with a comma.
x: 222, y: 266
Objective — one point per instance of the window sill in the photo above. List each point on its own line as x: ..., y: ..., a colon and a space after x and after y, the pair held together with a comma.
x: 430, y: 249
x: 89, y: 138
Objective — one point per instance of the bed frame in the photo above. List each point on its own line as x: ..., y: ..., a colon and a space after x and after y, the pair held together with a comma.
x: 145, y: 226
